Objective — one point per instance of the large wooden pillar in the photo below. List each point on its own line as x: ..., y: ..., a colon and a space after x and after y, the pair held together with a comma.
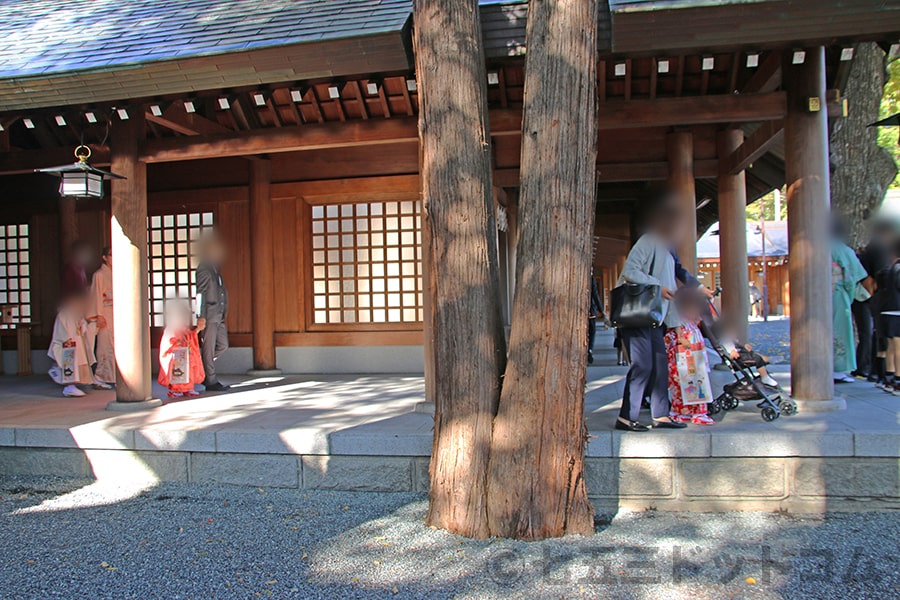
x: 733, y: 236
x: 262, y: 275
x: 129, y: 247
x: 807, y: 177
x: 680, y: 150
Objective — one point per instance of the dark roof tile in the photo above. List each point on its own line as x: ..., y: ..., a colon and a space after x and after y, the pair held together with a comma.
x: 53, y: 37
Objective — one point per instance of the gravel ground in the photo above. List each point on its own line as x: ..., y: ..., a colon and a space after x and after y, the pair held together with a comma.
x: 83, y: 540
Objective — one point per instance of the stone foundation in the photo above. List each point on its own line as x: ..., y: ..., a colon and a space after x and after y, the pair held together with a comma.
x: 793, y: 484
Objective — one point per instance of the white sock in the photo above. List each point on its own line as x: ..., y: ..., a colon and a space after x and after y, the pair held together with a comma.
x: 769, y: 381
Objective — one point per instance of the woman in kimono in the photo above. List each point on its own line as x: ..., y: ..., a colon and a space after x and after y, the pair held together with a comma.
x: 102, y: 297
x: 689, y: 387
x: 846, y: 273
x: 70, y: 347
x: 180, y: 361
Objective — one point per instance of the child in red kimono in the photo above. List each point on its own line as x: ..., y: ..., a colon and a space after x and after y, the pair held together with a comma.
x: 689, y: 388
x: 180, y: 362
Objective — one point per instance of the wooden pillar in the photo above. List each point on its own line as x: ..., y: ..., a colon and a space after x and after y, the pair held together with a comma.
x: 262, y: 275
x: 680, y: 151
x: 733, y: 237
x: 807, y: 177
x: 129, y: 247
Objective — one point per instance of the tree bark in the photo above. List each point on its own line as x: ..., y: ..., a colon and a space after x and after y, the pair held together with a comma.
x: 861, y: 170
x: 536, y: 483
x: 464, y: 320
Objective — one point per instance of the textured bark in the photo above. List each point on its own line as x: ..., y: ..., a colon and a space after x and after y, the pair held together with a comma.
x: 465, y: 324
x: 861, y: 170
x: 536, y: 483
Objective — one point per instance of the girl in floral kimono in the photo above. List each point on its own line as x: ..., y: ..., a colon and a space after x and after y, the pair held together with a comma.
x: 689, y: 388
x: 180, y: 362
x: 71, y: 347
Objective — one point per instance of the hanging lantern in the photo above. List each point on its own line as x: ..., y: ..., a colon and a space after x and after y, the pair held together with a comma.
x: 80, y: 180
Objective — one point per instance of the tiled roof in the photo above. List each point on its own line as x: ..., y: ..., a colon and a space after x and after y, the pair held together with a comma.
x: 41, y: 38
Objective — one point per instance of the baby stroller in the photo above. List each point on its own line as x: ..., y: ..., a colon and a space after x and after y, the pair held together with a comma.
x: 747, y: 386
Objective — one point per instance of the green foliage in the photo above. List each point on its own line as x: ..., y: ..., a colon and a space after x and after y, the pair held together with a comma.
x: 768, y: 201
x: 890, y: 105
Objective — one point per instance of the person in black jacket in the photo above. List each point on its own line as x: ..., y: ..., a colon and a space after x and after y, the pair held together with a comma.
x: 212, y: 304
x: 595, y: 312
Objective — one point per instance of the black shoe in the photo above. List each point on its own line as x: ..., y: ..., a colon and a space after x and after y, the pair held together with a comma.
x: 216, y: 387
x: 630, y: 426
x: 872, y: 379
x: 590, y: 358
x: 668, y: 425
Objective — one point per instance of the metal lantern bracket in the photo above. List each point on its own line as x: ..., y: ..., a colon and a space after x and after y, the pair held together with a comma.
x: 80, y: 179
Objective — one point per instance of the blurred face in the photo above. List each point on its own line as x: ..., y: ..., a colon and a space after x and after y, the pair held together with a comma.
x: 214, y: 251
x: 107, y: 260
x: 178, y: 315
x: 670, y: 222
x: 83, y: 256
x: 77, y: 305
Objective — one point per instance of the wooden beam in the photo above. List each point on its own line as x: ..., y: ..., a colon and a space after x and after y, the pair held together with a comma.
x: 617, y: 114
x: 759, y: 143
x: 26, y: 161
x: 285, y: 139
x: 692, y: 110
x: 622, y: 172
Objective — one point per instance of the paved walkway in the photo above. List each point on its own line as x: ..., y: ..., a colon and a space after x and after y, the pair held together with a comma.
x: 376, y: 415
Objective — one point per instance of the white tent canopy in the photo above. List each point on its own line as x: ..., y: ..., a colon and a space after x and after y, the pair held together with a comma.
x: 776, y: 242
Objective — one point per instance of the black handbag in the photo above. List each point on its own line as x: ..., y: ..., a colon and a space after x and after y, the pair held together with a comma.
x: 636, y: 305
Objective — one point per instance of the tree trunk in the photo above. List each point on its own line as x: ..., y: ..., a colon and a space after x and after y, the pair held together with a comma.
x: 465, y: 323
x: 861, y: 170
x: 536, y: 483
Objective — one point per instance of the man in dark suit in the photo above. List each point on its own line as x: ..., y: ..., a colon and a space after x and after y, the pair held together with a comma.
x: 212, y: 304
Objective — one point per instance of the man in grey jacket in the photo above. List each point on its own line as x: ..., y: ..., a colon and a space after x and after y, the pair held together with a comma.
x: 212, y: 304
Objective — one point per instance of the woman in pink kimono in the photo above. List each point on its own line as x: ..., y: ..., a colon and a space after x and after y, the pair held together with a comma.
x: 71, y: 346
x: 180, y: 361
x: 689, y: 388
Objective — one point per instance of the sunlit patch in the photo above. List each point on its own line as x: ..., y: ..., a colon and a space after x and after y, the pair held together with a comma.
x: 257, y: 381
x: 98, y: 493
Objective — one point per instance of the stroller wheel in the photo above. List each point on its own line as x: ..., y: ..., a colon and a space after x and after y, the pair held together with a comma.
x: 769, y: 414
x: 714, y: 407
x: 788, y: 408
x: 729, y: 402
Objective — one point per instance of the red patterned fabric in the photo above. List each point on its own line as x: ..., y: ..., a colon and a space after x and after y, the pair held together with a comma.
x: 673, y: 346
x: 184, y: 339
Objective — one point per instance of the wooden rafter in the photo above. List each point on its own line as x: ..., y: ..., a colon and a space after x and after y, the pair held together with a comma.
x: 628, y: 76
x: 176, y: 118
x: 314, y: 102
x: 679, y: 75
x: 363, y: 109
x: 756, y: 145
x: 767, y: 77
x: 385, y: 104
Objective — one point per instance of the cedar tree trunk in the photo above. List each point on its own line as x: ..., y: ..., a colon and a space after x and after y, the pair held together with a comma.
x: 465, y: 325
x: 861, y: 170
x: 536, y: 485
